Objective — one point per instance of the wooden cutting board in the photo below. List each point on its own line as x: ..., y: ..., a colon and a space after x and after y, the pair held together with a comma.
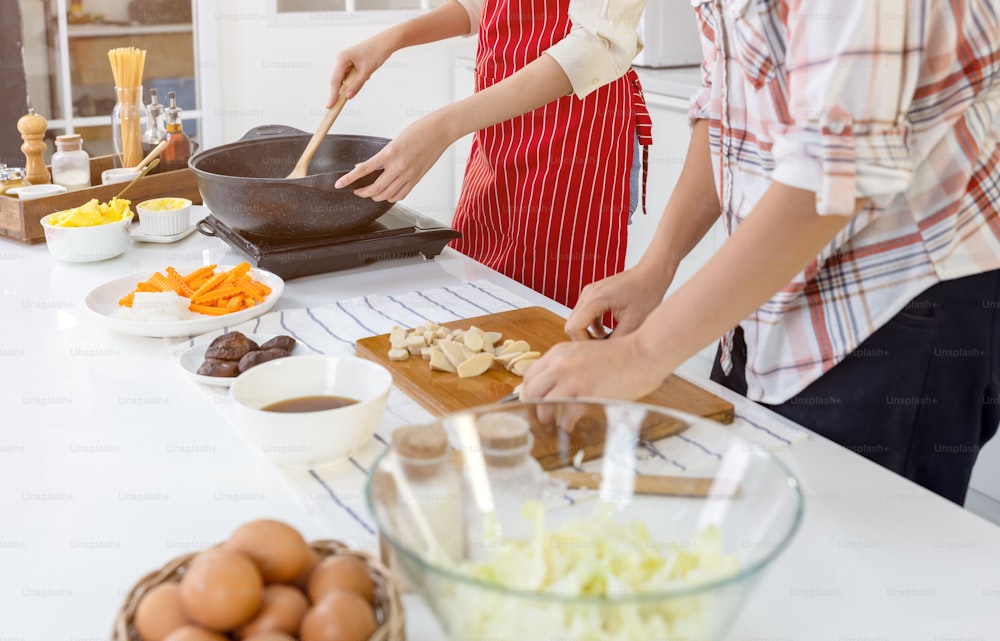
x: 443, y: 393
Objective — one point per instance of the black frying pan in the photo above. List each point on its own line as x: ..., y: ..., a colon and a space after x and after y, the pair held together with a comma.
x: 243, y: 184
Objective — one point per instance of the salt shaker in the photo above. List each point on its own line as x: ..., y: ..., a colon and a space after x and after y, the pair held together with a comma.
x: 70, y: 163
x: 515, y: 475
x: 430, y: 490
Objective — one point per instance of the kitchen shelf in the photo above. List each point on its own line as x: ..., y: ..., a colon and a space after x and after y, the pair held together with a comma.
x: 70, y: 77
x: 116, y: 30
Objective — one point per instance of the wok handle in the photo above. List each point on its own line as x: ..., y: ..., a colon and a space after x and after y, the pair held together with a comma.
x: 268, y: 131
x: 205, y: 228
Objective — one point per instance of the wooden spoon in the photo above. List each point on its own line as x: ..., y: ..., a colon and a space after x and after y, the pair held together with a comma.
x: 151, y: 155
x: 302, y: 167
x: 145, y: 170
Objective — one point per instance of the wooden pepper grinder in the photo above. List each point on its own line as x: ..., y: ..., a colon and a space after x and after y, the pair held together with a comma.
x: 32, y: 128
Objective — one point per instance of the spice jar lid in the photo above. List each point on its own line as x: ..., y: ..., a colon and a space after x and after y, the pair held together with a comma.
x: 503, y: 431
x: 69, y: 139
x: 421, y: 441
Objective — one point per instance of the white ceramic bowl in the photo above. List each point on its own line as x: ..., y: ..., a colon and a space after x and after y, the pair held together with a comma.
x: 118, y: 175
x: 87, y: 244
x: 164, y: 216
x: 307, y: 440
x: 36, y: 191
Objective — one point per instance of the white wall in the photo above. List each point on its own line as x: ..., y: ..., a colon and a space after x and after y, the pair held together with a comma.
x: 256, y: 74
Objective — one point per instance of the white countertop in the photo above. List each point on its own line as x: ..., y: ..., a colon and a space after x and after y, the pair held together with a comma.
x: 111, y: 462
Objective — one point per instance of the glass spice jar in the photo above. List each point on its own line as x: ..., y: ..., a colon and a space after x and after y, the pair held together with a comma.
x: 430, y: 490
x: 12, y: 177
x: 70, y: 163
x: 517, y: 477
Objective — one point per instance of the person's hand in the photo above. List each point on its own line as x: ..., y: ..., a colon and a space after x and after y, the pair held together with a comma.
x: 630, y: 296
x: 404, y: 161
x: 616, y: 368
x: 366, y: 56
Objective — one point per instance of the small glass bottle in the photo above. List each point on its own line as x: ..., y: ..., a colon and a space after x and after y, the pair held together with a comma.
x: 515, y: 476
x: 178, y: 149
x: 126, y: 126
x: 430, y: 491
x: 11, y: 177
x: 154, y: 130
x: 70, y: 163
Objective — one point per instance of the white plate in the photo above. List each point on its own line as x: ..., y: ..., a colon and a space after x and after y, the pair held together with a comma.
x: 103, y: 301
x: 191, y: 359
x: 198, y: 212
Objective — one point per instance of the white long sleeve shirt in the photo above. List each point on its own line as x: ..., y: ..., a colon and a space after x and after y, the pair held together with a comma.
x: 601, y: 45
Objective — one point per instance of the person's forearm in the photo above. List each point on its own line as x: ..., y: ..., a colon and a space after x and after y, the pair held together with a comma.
x: 692, y: 209
x: 538, y: 83
x: 779, y: 239
x: 448, y: 20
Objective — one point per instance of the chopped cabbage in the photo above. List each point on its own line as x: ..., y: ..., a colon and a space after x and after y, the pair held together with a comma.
x: 600, y: 559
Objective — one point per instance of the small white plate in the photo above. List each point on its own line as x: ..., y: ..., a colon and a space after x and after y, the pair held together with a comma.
x: 191, y: 359
x: 198, y: 212
x: 103, y: 302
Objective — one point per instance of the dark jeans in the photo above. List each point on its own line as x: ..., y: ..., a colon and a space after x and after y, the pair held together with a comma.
x: 921, y: 396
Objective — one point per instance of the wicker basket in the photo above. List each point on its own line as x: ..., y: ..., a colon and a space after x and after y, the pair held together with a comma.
x: 388, y: 598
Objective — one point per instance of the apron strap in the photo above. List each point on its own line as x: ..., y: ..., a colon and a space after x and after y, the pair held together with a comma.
x: 643, y: 127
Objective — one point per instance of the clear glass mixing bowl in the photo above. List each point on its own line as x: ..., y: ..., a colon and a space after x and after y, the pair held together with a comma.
x: 497, y: 561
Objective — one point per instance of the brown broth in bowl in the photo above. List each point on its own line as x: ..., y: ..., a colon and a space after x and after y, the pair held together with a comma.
x: 309, y: 403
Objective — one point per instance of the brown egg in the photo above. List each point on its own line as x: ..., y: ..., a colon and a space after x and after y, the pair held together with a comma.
x: 339, y: 616
x: 194, y: 633
x: 270, y: 636
x: 341, y: 572
x: 302, y: 580
x: 278, y: 549
x: 159, y: 612
x: 282, y: 610
x: 221, y: 590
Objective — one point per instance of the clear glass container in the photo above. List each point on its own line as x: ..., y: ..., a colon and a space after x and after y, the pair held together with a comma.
x: 11, y: 177
x: 506, y: 442
x: 70, y: 163
x: 126, y: 126
x: 429, y: 491
x: 626, y: 561
x: 154, y: 128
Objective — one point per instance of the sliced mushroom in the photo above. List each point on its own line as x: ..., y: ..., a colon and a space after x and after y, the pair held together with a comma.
x: 516, y: 346
x: 397, y: 338
x: 414, y: 342
x: 521, y: 366
x: 476, y: 365
x: 398, y: 354
x: 439, y: 361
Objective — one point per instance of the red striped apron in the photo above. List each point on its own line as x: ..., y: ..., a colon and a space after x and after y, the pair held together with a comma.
x: 545, y: 198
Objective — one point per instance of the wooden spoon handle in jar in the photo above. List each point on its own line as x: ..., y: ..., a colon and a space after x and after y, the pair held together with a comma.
x: 302, y: 167
x: 656, y: 484
x: 151, y: 155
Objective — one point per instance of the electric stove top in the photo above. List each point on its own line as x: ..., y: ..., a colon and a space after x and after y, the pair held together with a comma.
x: 398, y: 233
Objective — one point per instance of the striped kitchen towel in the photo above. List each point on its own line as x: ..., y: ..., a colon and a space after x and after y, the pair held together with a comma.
x: 335, y: 494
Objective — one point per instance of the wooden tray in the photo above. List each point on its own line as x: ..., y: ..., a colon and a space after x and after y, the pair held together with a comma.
x: 21, y: 220
x: 443, y: 393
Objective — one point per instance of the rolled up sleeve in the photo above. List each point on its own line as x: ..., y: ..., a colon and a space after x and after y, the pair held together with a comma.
x: 701, y: 102
x: 601, y: 44
x: 475, y: 10
x: 851, y: 78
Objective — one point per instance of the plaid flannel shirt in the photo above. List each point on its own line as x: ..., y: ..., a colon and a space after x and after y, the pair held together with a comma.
x: 896, y: 101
